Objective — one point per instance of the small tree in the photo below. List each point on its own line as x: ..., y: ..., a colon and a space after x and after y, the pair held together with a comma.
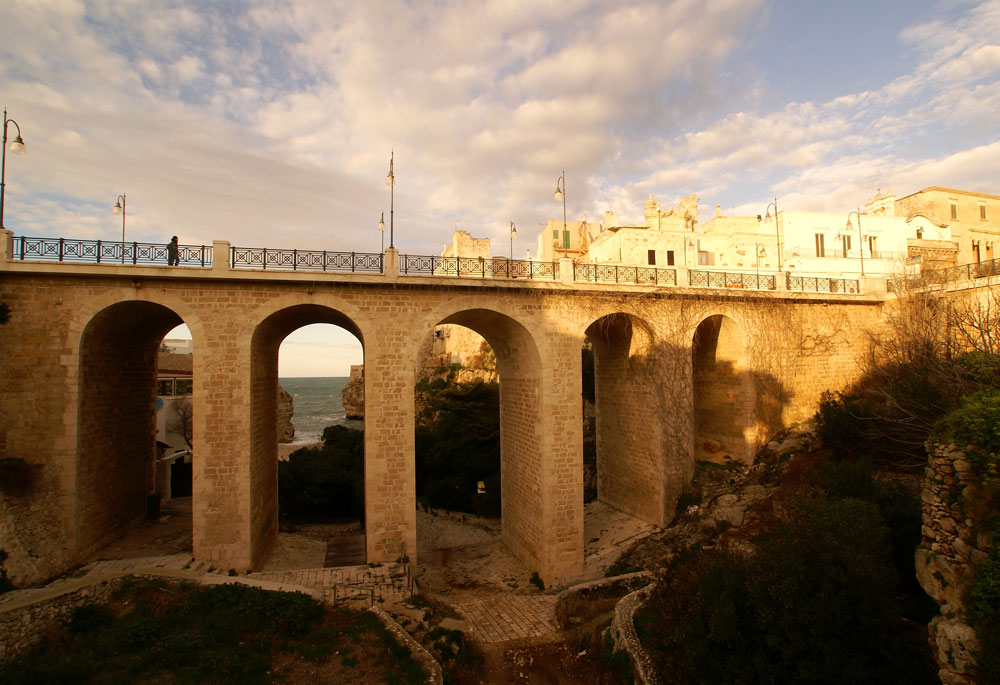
x: 182, y: 420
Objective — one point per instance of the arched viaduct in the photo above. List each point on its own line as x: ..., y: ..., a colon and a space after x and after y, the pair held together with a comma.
x: 677, y: 369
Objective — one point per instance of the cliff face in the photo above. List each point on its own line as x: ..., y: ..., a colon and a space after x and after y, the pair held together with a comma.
x: 286, y: 431
x: 457, y: 354
x: 353, y: 397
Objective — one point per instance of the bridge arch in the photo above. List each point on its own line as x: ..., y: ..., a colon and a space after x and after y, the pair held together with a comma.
x: 522, y: 477
x: 723, y: 390
x: 115, y: 419
x: 633, y: 378
x: 265, y: 342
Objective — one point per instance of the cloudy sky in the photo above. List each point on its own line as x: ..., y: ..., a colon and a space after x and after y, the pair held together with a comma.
x: 271, y: 123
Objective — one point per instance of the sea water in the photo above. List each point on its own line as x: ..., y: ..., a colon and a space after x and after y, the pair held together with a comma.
x: 317, y: 404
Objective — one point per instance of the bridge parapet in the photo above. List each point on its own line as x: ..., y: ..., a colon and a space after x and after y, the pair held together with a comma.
x: 221, y: 258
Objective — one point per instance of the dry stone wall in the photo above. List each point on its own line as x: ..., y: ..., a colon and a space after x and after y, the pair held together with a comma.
x: 951, y: 543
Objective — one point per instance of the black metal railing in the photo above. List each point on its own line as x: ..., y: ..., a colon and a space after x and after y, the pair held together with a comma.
x: 106, y: 252
x: 725, y: 279
x: 821, y: 284
x: 614, y: 273
x: 478, y: 267
x: 951, y: 274
x: 304, y: 260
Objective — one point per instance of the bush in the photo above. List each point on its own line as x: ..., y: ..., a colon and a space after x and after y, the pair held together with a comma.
x: 458, y: 445
x: 325, y: 483
x: 984, y: 612
x: 814, y: 603
x: 976, y: 423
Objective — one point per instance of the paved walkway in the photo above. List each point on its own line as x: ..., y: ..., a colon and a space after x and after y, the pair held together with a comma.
x: 357, y: 586
x: 390, y: 583
x: 510, y: 617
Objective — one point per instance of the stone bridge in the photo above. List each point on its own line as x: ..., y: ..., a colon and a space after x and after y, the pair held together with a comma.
x: 680, y: 370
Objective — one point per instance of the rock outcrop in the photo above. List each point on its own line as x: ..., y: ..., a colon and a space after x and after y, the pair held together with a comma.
x: 353, y: 397
x: 286, y: 431
x: 951, y: 544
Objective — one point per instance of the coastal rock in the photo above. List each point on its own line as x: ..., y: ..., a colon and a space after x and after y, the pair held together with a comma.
x: 353, y: 397
x: 286, y: 431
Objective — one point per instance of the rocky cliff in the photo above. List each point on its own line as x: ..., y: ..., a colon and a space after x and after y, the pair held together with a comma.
x: 353, y: 397
x: 286, y: 431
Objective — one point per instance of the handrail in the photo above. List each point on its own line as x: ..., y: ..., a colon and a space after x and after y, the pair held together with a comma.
x: 729, y: 279
x: 822, y: 284
x: 477, y: 267
x: 304, y: 260
x: 951, y: 274
x: 107, y: 252
x: 615, y: 273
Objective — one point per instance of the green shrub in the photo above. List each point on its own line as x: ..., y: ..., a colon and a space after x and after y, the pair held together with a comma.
x: 984, y: 613
x: 976, y: 423
x: 325, y: 483
x: 814, y: 603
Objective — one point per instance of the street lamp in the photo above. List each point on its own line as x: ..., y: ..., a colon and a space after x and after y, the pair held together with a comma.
x: 513, y: 234
x: 390, y: 180
x: 17, y: 147
x: 767, y: 215
x: 861, y: 245
x: 119, y: 208
x: 761, y: 252
x: 381, y: 227
x: 560, y: 194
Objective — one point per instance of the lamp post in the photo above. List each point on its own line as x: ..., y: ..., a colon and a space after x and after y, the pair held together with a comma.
x: 861, y: 245
x: 760, y: 252
x: 767, y: 215
x: 17, y: 147
x: 381, y: 228
x: 119, y: 208
x: 513, y: 234
x: 560, y: 194
x: 390, y: 180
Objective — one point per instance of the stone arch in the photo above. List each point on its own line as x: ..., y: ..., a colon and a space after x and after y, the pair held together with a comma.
x: 115, y: 422
x: 630, y: 439
x: 723, y: 390
x: 519, y: 369
x: 263, y: 468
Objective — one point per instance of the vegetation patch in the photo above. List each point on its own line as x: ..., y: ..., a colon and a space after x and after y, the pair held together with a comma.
x: 152, y: 631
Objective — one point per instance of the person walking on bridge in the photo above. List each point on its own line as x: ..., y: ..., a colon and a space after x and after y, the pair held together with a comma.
x: 173, y: 259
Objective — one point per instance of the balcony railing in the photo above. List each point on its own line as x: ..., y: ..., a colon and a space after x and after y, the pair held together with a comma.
x: 951, y: 274
x: 478, y: 267
x: 723, y: 279
x: 614, y: 273
x: 106, y: 252
x: 822, y: 284
x: 304, y: 260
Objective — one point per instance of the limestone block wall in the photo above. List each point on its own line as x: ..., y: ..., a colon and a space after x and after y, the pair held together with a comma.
x: 86, y: 336
x: 630, y: 401
x: 951, y: 543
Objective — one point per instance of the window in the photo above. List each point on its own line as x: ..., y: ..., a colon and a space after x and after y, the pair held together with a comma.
x: 651, y: 257
x: 670, y: 257
x: 555, y: 235
x: 873, y: 246
x: 565, y: 240
x: 847, y: 244
x: 706, y: 258
x: 820, y: 248
x: 183, y: 386
x: 982, y: 212
x: 975, y: 250
x: 954, y: 211
x: 920, y: 234
x: 165, y: 386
